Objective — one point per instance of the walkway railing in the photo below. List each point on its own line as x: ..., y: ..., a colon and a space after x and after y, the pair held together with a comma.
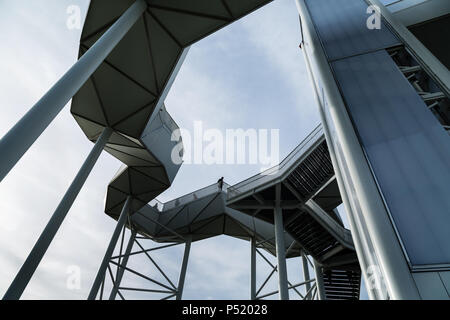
x: 206, y: 191
x: 268, y: 175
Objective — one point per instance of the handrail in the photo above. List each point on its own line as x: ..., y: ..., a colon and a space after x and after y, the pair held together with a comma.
x: 291, y: 158
x: 195, y: 195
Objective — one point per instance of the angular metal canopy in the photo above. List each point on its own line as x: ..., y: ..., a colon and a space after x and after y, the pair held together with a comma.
x: 127, y: 91
x: 134, y: 79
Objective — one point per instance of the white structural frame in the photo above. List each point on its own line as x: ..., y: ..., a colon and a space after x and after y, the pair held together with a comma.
x: 170, y: 289
x: 30, y: 265
x: 176, y: 290
x: 26, y: 131
x: 19, y: 138
x: 310, y: 284
x: 380, y: 251
x: 391, y: 262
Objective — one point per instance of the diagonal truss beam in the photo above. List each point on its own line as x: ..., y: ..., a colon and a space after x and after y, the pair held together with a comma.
x: 156, y: 265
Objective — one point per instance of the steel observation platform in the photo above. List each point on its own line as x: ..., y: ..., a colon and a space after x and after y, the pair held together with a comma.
x: 384, y: 142
x: 126, y: 94
x: 129, y: 56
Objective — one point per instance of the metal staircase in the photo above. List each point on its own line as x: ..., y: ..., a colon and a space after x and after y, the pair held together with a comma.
x: 427, y: 88
x: 342, y: 284
x: 339, y: 264
x: 309, y: 196
x: 313, y: 237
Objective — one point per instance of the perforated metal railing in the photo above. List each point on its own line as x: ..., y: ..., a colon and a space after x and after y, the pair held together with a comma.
x: 206, y: 191
x: 259, y: 179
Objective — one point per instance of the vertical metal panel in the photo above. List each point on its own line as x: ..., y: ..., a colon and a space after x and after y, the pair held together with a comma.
x: 342, y: 26
x: 408, y: 150
x: 359, y: 191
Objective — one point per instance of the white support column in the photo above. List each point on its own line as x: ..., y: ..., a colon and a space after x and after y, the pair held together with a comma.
x: 187, y: 250
x: 25, y: 132
x: 30, y: 265
x: 280, y: 246
x: 319, y: 281
x: 109, y: 251
x: 375, y: 239
x: 252, y: 268
x: 306, y: 276
x: 121, y: 270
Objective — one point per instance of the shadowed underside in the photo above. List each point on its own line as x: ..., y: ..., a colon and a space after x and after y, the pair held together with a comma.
x: 127, y: 91
x: 201, y: 215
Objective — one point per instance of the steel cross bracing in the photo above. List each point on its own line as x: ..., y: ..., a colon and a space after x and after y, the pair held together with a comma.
x: 309, y: 284
x: 306, y: 195
x: 118, y: 268
x: 193, y: 217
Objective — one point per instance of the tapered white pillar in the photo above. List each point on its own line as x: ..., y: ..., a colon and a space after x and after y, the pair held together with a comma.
x: 30, y: 265
x: 375, y: 236
x: 25, y: 132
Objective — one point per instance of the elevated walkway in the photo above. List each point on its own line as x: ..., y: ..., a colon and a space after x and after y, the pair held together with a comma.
x: 203, y: 214
x: 126, y: 94
x: 309, y: 197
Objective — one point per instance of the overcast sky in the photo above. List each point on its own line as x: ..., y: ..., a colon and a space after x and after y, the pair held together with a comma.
x: 248, y: 75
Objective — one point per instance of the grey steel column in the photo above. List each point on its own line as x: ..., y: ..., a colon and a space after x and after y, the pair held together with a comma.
x: 306, y: 276
x: 27, y: 270
x: 121, y: 270
x: 377, y: 230
x: 357, y: 240
x: 25, y: 132
x: 109, y: 251
x: 253, y: 269
x: 319, y: 281
x: 184, y: 264
x: 280, y: 247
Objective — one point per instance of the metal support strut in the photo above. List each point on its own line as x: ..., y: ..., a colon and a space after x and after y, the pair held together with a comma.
x: 319, y: 281
x: 105, y: 262
x: 25, y: 132
x: 184, y: 264
x: 123, y: 265
x: 306, y: 276
x: 280, y: 247
x: 253, y: 269
x: 30, y: 265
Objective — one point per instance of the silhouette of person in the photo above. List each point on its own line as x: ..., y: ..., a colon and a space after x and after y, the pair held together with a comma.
x: 220, y: 182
